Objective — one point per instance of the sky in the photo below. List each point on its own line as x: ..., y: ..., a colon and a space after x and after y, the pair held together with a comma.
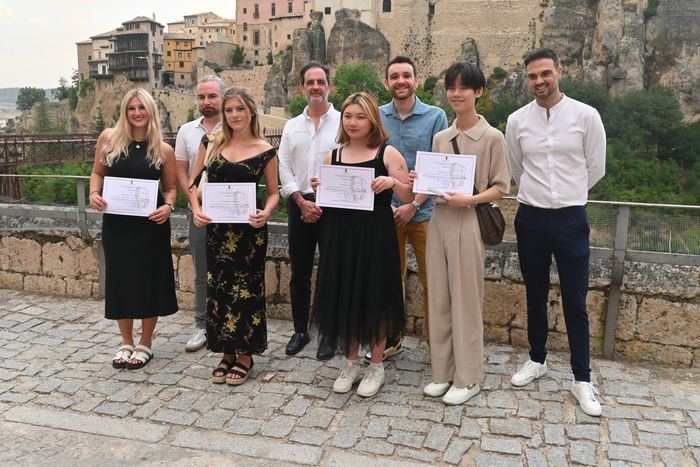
x: 37, y: 37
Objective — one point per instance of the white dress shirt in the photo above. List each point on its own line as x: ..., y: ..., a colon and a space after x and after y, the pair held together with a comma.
x: 189, y: 137
x: 555, y: 161
x: 304, y: 147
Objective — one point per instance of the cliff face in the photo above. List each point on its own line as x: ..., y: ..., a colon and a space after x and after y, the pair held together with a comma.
x: 351, y: 41
x: 621, y: 44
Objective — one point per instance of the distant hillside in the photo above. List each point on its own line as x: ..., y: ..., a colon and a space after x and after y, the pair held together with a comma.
x: 8, y: 101
x: 9, y: 95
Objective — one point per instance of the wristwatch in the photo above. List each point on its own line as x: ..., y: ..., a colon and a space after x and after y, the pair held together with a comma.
x: 172, y: 207
x: 415, y: 204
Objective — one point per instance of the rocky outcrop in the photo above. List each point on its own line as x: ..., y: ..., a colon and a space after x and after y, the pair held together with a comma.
x: 673, y: 51
x: 351, y: 41
x: 309, y: 44
x: 277, y: 85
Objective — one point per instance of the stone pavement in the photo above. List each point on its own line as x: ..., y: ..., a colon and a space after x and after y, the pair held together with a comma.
x: 61, y: 403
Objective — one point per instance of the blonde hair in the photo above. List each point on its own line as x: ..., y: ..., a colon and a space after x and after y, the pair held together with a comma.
x: 226, y: 134
x: 377, y: 134
x: 117, y: 145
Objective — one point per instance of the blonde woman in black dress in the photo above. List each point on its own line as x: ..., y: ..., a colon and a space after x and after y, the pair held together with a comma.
x: 139, y: 271
x: 236, y: 324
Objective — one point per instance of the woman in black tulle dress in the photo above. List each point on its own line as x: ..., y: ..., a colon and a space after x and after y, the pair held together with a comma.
x: 236, y: 324
x: 359, y: 293
x: 138, y: 262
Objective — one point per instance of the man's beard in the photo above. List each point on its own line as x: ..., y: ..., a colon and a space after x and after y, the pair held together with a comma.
x: 209, y: 112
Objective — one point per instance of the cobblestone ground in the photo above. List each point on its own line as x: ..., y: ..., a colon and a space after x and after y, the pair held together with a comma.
x: 61, y: 403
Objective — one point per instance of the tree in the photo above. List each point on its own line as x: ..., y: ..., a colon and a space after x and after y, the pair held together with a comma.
x: 355, y: 77
x: 587, y: 92
x: 27, y: 97
x: 269, y: 58
x: 296, y: 105
x: 237, y: 56
x: 98, y: 124
x: 42, y: 123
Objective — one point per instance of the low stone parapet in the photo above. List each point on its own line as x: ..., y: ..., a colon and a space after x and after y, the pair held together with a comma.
x: 657, y: 321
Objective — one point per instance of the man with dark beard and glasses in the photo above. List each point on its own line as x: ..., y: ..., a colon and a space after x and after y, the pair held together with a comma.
x: 210, y: 90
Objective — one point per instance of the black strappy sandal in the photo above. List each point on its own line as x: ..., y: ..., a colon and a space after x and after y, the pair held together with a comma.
x: 241, y: 371
x: 218, y: 376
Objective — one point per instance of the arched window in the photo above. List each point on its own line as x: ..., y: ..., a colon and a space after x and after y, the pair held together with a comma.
x: 386, y: 6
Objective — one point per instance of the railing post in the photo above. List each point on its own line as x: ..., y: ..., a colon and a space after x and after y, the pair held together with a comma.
x: 618, y: 270
x: 82, y: 216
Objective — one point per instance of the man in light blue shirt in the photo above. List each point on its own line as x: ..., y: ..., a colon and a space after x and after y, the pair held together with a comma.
x: 411, y: 125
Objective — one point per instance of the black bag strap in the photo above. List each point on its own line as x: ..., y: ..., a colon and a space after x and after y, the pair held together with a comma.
x: 455, y: 148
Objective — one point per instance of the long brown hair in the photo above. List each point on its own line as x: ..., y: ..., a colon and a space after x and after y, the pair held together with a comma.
x: 226, y: 134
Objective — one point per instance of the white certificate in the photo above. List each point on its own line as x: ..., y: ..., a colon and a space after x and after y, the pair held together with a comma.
x: 345, y: 187
x: 439, y: 173
x: 130, y: 196
x: 229, y: 203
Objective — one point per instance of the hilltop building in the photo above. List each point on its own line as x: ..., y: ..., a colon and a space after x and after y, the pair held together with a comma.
x: 180, y: 59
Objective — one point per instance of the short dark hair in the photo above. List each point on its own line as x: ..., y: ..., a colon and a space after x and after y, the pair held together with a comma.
x: 400, y: 59
x: 542, y: 53
x: 470, y: 75
x: 314, y: 64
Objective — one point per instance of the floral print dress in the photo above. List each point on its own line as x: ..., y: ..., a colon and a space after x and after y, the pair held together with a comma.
x: 236, y: 269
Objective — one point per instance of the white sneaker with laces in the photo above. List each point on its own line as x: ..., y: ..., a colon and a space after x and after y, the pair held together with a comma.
x: 457, y: 396
x: 585, y: 393
x: 373, y: 380
x: 349, y: 375
x: 529, y: 372
x: 198, y: 339
x: 436, y: 389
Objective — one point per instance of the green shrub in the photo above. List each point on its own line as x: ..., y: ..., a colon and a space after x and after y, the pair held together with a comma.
x: 54, y: 190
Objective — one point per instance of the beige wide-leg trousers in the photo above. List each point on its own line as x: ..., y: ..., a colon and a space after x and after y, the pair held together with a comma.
x: 455, y: 257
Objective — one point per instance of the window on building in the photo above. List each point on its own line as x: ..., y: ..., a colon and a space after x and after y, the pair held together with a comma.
x: 272, y: 9
x: 245, y: 26
x: 182, y: 64
x: 290, y: 7
x: 256, y: 11
x: 431, y: 8
x: 89, y: 57
x: 182, y: 76
x: 245, y: 38
x: 386, y: 6
x: 255, y: 52
x: 275, y: 44
x: 256, y: 37
x: 289, y: 37
x: 245, y: 10
x: 327, y: 10
x: 168, y: 53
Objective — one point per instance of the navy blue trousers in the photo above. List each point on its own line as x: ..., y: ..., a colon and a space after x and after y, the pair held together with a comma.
x: 302, y: 238
x: 563, y: 233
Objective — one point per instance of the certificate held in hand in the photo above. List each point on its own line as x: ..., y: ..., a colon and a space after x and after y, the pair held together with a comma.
x: 439, y: 173
x: 229, y: 203
x: 345, y: 187
x: 130, y: 196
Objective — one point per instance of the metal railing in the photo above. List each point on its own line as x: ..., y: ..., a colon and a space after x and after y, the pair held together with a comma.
x: 620, y: 231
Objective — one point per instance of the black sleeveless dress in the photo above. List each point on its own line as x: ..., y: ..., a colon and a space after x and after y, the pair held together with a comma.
x: 138, y: 262
x: 359, y: 294
x: 236, y: 253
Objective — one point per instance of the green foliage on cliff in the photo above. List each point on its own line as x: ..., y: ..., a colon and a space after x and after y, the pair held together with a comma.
x: 54, y: 190
x: 27, y: 97
x: 355, y: 77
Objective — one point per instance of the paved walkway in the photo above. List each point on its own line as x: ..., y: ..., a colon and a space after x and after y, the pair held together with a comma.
x: 61, y: 403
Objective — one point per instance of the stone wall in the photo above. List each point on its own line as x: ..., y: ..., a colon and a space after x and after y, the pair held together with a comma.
x: 659, y: 308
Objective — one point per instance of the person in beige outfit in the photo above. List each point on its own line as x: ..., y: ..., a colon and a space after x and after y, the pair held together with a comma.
x: 455, y: 252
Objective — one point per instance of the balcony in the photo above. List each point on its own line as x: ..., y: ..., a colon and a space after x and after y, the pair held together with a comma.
x: 132, y: 43
x: 99, y: 69
x: 126, y: 61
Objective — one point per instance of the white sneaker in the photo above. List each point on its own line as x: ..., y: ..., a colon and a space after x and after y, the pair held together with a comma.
x: 436, y: 389
x: 529, y: 372
x: 349, y: 375
x: 373, y: 380
x: 585, y: 393
x: 198, y: 339
x: 456, y: 396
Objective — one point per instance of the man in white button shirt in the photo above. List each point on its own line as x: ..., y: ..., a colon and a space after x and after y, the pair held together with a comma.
x: 210, y: 90
x: 306, y: 140
x: 556, y: 151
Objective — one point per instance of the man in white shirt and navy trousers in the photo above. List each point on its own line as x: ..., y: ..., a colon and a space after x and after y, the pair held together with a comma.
x: 306, y: 139
x: 556, y: 151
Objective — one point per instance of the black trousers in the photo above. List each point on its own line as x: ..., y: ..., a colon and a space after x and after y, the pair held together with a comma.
x: 563, y: 233
x: 303, y: 238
